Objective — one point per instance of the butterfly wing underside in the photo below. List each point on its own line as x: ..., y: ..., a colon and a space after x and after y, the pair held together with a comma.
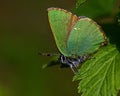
x: 85, y: 37
x: 61, y: 22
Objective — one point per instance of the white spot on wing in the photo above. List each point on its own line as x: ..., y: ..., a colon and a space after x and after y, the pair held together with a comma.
x: 76, y: 28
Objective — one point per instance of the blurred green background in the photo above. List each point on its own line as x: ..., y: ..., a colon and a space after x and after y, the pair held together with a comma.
x: 24, y: 31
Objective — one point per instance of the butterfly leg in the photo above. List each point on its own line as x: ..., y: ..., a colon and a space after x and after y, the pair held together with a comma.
x: 72, y: 68
x: 75, y: 65
x: 90, y: 57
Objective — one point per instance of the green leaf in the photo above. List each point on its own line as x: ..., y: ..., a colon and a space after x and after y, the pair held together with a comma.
x: 79, y: 2
x: 100, y: 76
x: 94, y: 8
x: 52, y: 62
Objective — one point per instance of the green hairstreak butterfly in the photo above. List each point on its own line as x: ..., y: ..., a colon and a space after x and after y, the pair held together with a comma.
x: 75, y: 37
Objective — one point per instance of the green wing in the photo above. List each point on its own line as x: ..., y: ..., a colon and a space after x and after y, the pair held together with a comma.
x: 61, y: 22
x: 85, y: 37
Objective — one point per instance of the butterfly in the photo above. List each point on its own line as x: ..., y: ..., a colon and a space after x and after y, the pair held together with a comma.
x: 76, y: 37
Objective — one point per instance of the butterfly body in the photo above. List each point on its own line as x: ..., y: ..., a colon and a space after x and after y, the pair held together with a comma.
x: 73, y: 63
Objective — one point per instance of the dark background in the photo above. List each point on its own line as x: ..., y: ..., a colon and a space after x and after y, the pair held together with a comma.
x: 24, y: 31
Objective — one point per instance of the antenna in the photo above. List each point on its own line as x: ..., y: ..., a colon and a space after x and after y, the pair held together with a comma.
x: 48, y: 54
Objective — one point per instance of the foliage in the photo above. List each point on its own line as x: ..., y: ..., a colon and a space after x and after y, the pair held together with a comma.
x: 94, y: 8
x: 101, y: 76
